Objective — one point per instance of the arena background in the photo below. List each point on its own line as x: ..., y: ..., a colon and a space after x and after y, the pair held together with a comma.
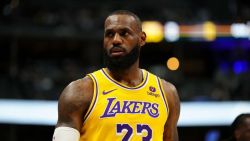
x: 201, y: 46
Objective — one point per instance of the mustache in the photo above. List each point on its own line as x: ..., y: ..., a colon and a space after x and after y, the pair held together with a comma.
x: 123, y: 62
x: 117, y: 47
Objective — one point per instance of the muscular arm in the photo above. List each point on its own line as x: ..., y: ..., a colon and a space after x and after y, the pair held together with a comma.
x: 74, y: 102
x: 170, y: 129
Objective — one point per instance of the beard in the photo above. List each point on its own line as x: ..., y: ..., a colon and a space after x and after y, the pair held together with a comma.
x: 123, y: 62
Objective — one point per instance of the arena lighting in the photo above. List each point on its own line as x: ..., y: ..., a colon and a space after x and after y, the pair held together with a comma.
x: 240, y: 66
x: 36, y: 112
x: 33, y: 112
x: 154, y: 31
x: 190, y: 31
x: 173, y: 63
x: 209, y: 31
x: 248, y: 25
x: 171, y: 31
x: 211, y: 113
x: 240, y: 30
x: 223, y: 30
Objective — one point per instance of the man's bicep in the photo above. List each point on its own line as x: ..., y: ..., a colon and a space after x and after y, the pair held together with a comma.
x: 170, y: 131
x: 68, y: 109
x: 72, y: 104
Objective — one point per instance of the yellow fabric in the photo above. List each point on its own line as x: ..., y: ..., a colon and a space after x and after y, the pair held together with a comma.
x: 121, y: 113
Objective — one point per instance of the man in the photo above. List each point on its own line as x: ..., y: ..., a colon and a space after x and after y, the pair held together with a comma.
x: 241, y: 127
x: 120, y: 102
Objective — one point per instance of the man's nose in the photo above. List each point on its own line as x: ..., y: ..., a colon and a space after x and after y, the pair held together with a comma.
x: 117, y: 39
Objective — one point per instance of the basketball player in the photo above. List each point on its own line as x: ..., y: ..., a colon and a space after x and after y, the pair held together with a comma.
x: 120, y: 102
x: 241, y: 127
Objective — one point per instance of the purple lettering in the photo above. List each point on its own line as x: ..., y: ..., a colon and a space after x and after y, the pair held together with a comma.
x: 116, y: 108
x: 126, y: 108
x: 136, y: 107
x: 155, y: 108
x: 106, y: 113
x: 145, y: 107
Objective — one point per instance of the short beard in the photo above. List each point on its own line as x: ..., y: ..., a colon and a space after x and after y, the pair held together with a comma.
x: 123, y: 62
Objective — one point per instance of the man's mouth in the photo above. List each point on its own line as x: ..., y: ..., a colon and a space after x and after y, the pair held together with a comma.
x: 117, y: 51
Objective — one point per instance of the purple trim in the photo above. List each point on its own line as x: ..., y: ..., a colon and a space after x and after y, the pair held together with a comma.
x: 131, y: 88
x: 162, y: 93
x: 91, y: 108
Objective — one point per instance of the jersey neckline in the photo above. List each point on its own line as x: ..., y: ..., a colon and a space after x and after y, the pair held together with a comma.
x: 144, y: 75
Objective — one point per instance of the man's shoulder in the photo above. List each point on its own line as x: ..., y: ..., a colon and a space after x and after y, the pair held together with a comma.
x: 81, y: 83
x: 168, y: 87
x: 84, y: 83
x: 168, y: 84
x: 170, y: 93
x: 78, y: 90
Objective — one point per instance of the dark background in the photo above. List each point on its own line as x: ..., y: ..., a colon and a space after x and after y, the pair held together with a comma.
x: 45, y: 44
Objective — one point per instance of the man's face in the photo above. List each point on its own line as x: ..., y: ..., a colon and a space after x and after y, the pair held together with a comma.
x: 122, y: 41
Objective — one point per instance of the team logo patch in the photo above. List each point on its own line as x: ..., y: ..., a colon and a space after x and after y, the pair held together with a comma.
x: 152, y: 91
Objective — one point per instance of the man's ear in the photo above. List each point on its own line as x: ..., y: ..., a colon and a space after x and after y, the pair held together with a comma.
x: 143, y: 38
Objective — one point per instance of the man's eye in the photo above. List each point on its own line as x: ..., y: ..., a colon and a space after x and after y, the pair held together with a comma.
x: 124, y: 33
x: 109, y: 34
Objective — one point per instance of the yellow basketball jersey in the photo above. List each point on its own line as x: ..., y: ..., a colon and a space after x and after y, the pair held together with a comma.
x: 122, y: 113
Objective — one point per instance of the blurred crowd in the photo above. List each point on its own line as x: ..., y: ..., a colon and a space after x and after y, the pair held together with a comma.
x: 39, y: 71
x: 45, y: 80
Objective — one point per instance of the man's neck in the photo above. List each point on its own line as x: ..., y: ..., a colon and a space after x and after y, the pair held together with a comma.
x: 130, y: 77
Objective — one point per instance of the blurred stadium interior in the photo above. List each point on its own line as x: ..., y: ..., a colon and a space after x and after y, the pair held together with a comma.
x: 45, y: 44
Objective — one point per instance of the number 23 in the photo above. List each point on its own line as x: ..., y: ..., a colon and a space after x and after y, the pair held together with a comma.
x: 139, y: 129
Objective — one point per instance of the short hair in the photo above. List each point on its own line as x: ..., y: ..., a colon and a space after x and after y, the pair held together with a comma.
x: 239, y: 120
x: 127, y: 12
